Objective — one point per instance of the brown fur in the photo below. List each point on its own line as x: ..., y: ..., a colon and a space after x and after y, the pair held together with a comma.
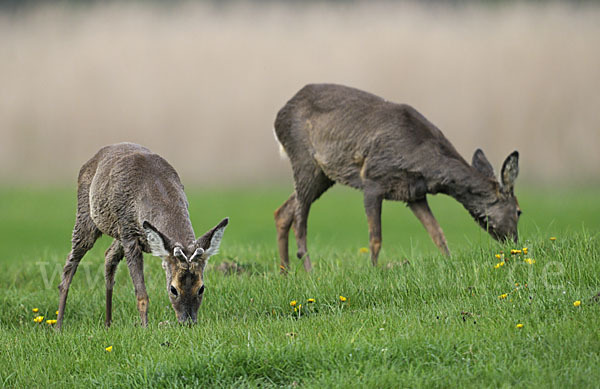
x: 127, y: 192
x: 334, y: 133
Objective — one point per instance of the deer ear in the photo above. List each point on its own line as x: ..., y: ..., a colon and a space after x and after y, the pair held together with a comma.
x: 211, y: 240
x: 510, y: 171
x: 481, y: 163
x: 156, y: 241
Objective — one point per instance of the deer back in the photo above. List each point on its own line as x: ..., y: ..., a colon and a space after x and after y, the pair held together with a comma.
x: 356, y: 137
x: 130, y: 185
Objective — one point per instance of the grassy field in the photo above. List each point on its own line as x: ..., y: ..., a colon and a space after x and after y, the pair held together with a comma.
x: 417, y: 320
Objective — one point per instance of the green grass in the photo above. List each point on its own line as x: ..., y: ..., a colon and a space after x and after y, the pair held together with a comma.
x: 430, y: 322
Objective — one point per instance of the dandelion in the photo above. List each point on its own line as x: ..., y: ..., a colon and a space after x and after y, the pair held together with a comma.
x: 529, y: 261
x: 515, y: 251
x: 57, y: 312
x: 577, y: 303
x: 109, y: 349
x: 51, y: 321
x: 343, y: 299
x: 519, y: 325
x: 503, y: 296
x: 35, y: 310
x: 363, y: 250
x: 553, y: 238
x: 497, y: 266
x: 38, y: 319
x: 525, y: 250
x: 310, y: 301
x: 499, y: 256
x: 293, y: 303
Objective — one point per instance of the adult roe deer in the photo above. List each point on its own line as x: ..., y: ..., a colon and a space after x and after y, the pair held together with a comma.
x: 333, y: 133
x: 135, y: 196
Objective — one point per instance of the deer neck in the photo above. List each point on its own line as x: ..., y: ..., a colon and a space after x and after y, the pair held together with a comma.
x: 469, y: 187
x: 172, y: 222
x: 179, y: 229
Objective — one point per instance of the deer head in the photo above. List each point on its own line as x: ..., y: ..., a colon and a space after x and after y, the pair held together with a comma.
x: 184, y: 267
x: 499, y: 213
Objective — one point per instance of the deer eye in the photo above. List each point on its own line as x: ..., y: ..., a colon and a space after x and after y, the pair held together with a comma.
x: 174, y: 291
x: 519, y: 212
x: 201, y: 290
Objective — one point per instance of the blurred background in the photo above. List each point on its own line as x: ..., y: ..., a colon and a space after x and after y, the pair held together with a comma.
x: 201, y: 82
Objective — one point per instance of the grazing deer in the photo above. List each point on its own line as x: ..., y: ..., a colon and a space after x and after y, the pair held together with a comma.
x: 135, y: 196
x: 333, y: 133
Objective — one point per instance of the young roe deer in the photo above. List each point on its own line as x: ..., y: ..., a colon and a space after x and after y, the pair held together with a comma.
x: 333, y: 133
x: 135, y: 196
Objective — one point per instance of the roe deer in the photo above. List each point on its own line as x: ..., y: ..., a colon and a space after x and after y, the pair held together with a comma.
x: 135, y: 196
x: 333, y: 133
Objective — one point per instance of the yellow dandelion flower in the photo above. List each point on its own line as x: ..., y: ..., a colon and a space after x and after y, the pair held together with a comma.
x: 363, y: 250
x: 516, y: 284
x: 51, y: 321
x: 38, y: 319
x: 515, y: 251
x: 553, y: 238
x: 529, y: 261
x: 293, y: 303
x: 499, y: 256
x: 35, y: 310
x: 310, y: 301
x: 497, y: 266
x: 525, y: 250
x: 519, y: 325
x: 343, y: 299
x: 57, y: 312
x: 502, y: 263
x: 577, y: 303
x: 109, y: 348
x: 503, y: 296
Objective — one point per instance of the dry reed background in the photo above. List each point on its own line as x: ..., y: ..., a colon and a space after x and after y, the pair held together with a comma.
x: 201, y: 84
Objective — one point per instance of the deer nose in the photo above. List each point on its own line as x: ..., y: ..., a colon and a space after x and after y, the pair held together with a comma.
x: 187, y: 318
x: 184, y: 317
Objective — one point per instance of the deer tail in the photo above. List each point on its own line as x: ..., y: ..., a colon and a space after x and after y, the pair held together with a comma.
x: 282, y: 152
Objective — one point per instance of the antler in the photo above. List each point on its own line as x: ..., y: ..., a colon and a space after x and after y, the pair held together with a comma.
x: 178, y: 253
x: 197, y: 255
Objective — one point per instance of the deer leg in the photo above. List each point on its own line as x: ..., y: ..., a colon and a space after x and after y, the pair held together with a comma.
x: 85, y: 234
x: 373, y: 202
x: 421, y: 210
x: 135, y: 263
x: 113, y: 256
x: 300, y: 228
x: 318, y: 184
x: 284, y: 217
